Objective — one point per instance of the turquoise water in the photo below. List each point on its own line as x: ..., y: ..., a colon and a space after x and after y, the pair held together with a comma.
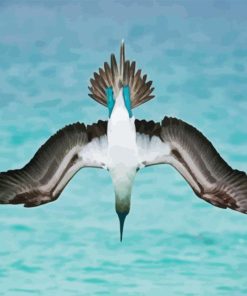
x: 174, y: 243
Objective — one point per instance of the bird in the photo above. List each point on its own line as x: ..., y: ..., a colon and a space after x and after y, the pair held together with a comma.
x: 123, y: 145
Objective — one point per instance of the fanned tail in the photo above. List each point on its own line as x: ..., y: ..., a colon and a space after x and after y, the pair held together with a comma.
x: 126, y: 74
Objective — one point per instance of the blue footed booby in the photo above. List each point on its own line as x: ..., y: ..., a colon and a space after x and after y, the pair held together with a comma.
x: 123, y: 145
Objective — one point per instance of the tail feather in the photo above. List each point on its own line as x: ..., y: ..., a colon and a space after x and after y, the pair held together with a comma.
x: 116, y: 77
x: 122, y: 59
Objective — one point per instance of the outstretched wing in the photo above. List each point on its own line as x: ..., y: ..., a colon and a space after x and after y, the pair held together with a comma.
x: 185, y: 148
x: 55, y: 163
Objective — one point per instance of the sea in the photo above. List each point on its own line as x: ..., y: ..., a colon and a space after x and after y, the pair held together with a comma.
x: 174, y: 243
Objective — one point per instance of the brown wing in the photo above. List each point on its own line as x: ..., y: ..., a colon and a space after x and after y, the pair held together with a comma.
x: 55, y: 163
x: 195, y: 158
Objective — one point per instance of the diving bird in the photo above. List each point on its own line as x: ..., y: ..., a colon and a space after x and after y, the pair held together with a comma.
x: 123, y: 145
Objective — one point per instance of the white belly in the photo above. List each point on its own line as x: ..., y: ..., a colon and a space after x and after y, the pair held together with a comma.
x: 122, y: 160
x: 122, y: 147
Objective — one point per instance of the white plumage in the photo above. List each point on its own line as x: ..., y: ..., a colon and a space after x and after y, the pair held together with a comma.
x: 122, y: 159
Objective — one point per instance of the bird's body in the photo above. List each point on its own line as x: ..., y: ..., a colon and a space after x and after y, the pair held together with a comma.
x: 121, y: 135
x: 123, y: 145
x: 122, y: 157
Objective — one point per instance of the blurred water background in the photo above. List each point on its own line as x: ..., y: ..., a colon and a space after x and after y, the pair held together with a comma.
x: 174, y: 243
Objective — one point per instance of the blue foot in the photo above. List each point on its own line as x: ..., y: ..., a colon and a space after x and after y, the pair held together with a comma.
x: 110, y: 100
x: 127, y: 100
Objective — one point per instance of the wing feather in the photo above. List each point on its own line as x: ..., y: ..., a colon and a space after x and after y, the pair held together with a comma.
x: 193, y: 155
x: 54, y: 164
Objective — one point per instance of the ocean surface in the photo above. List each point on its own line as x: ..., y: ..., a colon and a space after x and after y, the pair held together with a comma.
x: 174, y: 243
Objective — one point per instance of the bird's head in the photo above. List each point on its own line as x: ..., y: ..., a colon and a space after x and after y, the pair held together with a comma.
x: 123, y: 187
x: 122, y: 210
